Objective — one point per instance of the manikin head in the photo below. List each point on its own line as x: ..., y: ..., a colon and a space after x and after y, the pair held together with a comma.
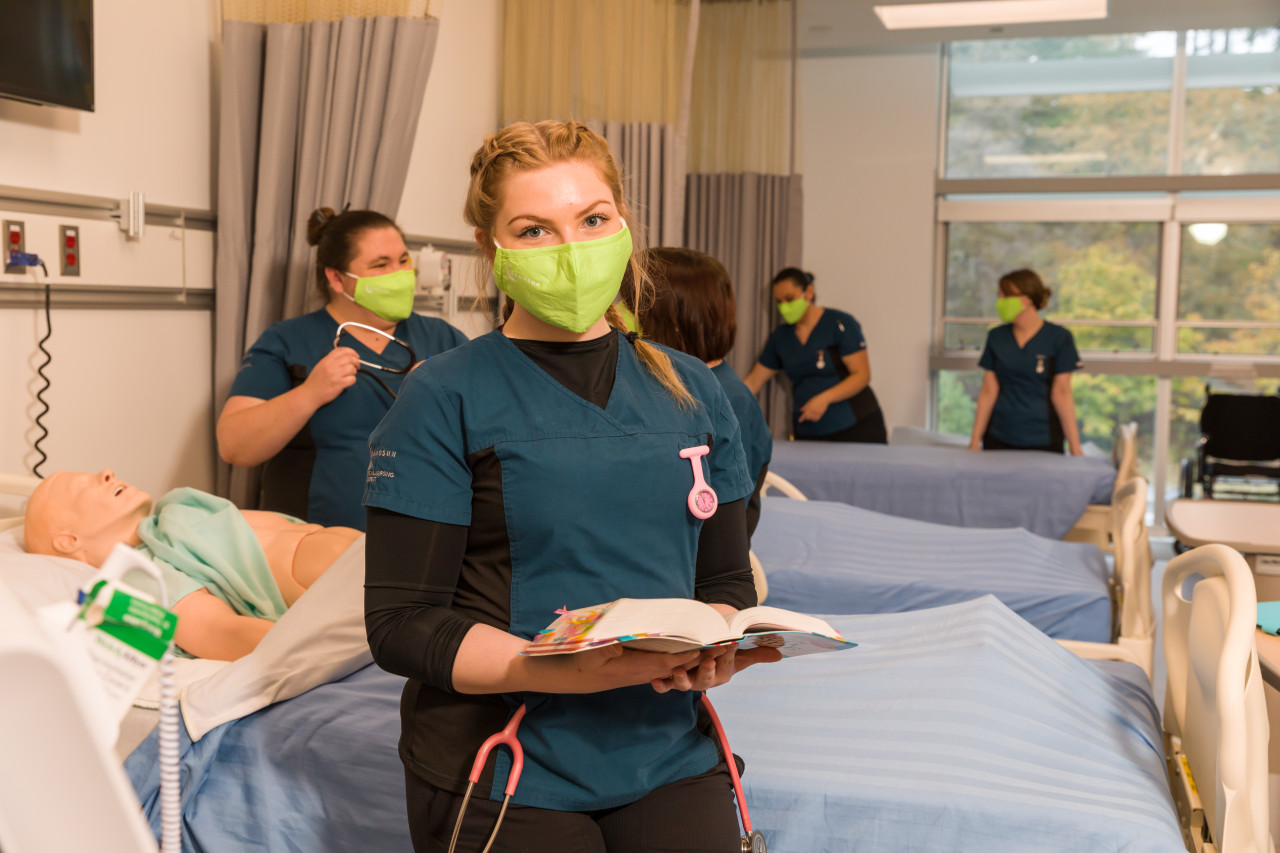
x: 82, y: 516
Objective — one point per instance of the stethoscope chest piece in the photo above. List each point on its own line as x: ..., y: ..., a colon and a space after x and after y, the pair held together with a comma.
x: 753, y: 842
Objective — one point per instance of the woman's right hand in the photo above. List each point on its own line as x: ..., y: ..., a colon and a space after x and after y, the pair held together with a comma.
x: 332, y: 375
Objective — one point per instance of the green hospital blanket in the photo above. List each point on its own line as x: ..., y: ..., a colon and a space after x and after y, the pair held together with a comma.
x: 201, y: 541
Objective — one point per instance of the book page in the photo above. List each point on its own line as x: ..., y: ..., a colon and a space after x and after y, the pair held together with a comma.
x: 630, y: 619
x: 764, y: 618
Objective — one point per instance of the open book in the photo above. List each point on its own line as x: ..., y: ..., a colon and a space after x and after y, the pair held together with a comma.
x: 679, y: 624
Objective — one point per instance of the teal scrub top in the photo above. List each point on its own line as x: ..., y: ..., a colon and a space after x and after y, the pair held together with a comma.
x: 1023, y: 414
x: 286, y: 354
x: 596, y: 509
x: 757, y: 442
x: 815, y: 366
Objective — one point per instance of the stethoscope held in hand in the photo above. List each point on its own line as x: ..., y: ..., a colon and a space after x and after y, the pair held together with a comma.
x: 752, y: 840
x: 413, y: 358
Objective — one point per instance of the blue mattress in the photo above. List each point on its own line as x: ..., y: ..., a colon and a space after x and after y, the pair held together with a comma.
x: 823, y: 557
x: 956, y: 729
x: 959, y: 728
x: 1041, y: 492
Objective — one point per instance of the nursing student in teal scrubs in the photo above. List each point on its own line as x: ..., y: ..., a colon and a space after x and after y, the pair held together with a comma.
x: 537, y: 468
x: 306, y: 407
x: 823, y: 353
x: 693, y: 310
x: 1025, y: 402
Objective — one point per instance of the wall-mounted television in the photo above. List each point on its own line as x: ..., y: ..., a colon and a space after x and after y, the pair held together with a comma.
x: 46, y: 52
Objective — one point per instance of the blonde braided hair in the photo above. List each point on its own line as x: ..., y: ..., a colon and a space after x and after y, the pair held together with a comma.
x: 521, y: 147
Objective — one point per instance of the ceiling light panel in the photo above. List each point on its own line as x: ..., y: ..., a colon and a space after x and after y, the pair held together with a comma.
x: 987, y: 13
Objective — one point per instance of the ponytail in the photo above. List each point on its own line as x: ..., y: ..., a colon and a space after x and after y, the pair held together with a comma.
x: 657, y: 362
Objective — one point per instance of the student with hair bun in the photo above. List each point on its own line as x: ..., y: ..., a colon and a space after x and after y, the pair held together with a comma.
x: 824, y: 354
x: 306, y: 407
x: 1025, y: 402
x: 556, y: 462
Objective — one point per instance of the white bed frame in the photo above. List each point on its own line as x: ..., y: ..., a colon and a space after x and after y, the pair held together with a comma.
x: 1095, y: 523
x: 1215, y: 715
x: 783, y: 485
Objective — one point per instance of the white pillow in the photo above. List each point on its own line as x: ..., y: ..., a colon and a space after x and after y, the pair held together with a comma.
x: 36, y: 579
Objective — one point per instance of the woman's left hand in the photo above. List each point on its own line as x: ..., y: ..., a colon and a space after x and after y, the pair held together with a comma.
x: 813, y: 410
x: 715, y: 666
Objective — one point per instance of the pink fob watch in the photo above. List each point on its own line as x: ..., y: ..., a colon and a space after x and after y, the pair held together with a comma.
x: 702, y: 499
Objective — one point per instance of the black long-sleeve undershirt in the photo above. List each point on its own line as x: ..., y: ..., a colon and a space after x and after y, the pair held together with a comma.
x: 412, y: 567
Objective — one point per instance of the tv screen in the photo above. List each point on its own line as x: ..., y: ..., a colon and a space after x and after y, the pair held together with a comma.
x: 46, y: 52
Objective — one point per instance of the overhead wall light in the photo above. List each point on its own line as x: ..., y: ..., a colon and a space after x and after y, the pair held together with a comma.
x: 987, y: 13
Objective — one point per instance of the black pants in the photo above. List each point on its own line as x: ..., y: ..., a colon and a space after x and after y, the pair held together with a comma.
x: 868, y: 430
x: 694, y: 815
x: 990, y: 443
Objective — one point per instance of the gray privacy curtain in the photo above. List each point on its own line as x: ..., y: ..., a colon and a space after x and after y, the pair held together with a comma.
x: 652, y: 159
x: 316, y: 114
x: 752, y: 224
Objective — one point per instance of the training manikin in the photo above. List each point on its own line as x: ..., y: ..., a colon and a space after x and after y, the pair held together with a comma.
x: 230, y: 574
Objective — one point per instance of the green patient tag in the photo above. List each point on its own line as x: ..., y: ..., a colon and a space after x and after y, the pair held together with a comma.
x: 140, y: 624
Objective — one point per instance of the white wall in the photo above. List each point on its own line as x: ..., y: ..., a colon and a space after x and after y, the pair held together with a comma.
x: 131, y: 389
x: 152, y: 125
x: 460, y: 108
x: 870, y: 132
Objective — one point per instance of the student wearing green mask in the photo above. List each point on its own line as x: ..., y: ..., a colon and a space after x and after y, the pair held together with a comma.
x: 824, y: 354
x: 306, y: 407
x: 539, y: 467
x: 1025, y: 402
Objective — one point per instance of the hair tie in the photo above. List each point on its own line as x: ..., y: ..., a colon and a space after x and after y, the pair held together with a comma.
x: 631, y: 337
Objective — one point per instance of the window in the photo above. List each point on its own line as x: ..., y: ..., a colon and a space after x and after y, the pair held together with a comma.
x: 1233, y: 102
x: 1162, y: 246
x: 1229, y: 289
x: 1102, y: 274
x: 1093, y: 105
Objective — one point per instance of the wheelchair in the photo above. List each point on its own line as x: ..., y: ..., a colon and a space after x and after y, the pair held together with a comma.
x: 1238, y: 455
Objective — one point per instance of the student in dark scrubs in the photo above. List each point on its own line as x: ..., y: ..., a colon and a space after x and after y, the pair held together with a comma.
x: 693, y: 311
x: 823, y: 353
x: 306, y: 407
x: 1025, y: 402
x: 537, y: 468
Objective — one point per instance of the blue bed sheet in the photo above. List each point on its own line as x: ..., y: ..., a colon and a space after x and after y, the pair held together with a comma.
x: 1044, y: 493
x: 829, y: 557
x: 954, y: 729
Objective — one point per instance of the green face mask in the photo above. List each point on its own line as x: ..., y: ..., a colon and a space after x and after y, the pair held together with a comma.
x: 1008, y: 308
x: 793, y: 310
x: 568, y: 286
x: 389, y: 296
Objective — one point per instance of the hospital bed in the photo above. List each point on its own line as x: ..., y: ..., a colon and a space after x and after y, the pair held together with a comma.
x: 821, y: 556
x: 960, y: 727
x: 1044, y: 493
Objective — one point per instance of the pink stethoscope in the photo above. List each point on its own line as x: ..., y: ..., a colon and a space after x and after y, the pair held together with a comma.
x: 752, y: 840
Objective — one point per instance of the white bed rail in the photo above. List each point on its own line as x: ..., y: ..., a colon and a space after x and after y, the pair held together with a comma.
x: 782, y: 484
x: 1136, y: 621
x: 1215, y: 712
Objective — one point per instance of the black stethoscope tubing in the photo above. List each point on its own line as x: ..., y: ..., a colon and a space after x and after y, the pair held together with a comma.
x: 413, y: 357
